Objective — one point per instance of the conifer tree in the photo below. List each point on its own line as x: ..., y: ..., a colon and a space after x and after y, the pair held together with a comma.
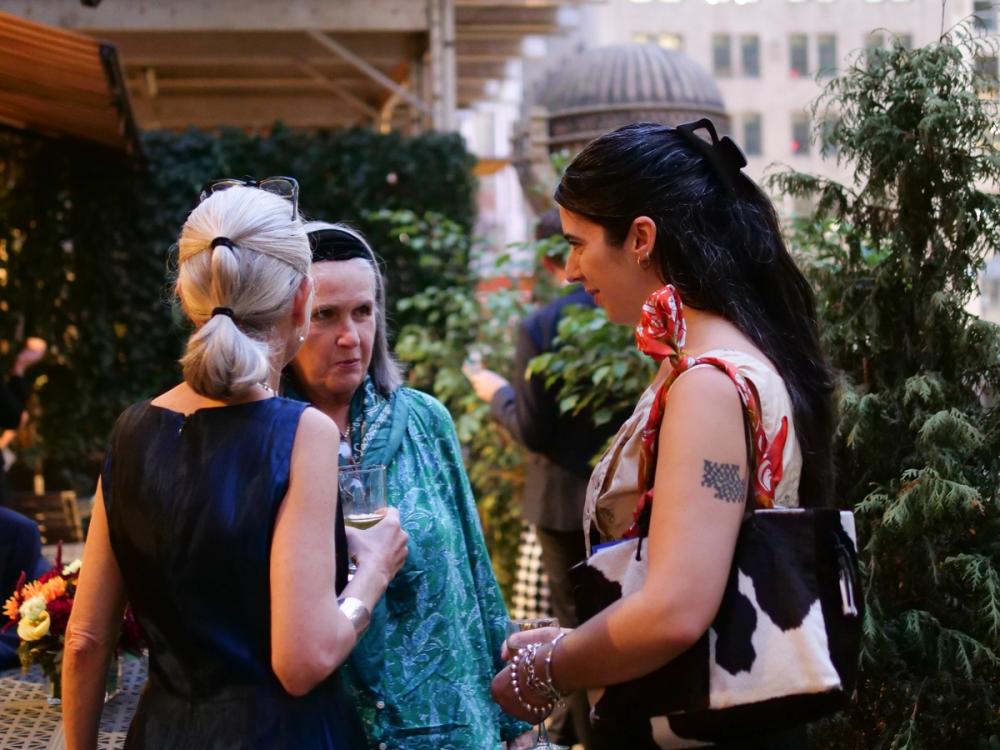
x: 894, y: 259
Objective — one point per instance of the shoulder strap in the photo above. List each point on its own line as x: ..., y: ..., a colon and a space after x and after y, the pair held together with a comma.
x: 764, y: 472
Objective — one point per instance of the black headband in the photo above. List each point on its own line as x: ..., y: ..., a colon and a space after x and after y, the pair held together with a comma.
x: 723, y: 154
x: 336, y: 244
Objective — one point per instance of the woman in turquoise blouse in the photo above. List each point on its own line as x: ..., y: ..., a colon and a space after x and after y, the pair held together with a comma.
x: 421, y: 674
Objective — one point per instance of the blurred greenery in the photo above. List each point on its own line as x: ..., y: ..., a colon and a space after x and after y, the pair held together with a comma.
x: 85, y: 242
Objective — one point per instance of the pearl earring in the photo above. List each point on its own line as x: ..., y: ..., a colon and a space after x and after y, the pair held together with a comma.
x: 302, y: 339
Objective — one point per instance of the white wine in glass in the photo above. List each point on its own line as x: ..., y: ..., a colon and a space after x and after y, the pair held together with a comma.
x: 363, y: 520
x: 362, y: 496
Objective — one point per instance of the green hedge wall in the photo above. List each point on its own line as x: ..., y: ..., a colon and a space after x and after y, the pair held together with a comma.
x: 85, y: 243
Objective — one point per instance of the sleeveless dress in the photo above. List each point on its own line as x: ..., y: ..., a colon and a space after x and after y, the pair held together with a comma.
x: 191, y: 505
x: 613, y: 493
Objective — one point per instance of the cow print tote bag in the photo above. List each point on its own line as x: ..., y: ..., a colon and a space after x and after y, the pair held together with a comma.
x: 784, y: 646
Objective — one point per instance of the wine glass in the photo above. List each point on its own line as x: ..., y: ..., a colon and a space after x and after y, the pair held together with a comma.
x: 519, y: 626
x: 362, y: 496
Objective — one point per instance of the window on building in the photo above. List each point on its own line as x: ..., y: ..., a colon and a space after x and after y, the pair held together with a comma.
x: 798, y: 55
x: 985, y: 15
x: 827, y: 48
x: 722, y: 58
x: 987, y: 74
x: 750, y: 55
x: 753, y: 134
x: 800, y: 133
x: 874, y: 43
x: 670, y: 41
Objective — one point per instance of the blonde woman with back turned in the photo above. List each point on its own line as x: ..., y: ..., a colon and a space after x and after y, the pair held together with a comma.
x: 212, y: 518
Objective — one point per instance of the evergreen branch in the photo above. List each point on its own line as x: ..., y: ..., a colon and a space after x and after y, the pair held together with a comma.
x: 926, y: 495
x: 980, y: 573
x: 947, y: 648
x: 926, y: 389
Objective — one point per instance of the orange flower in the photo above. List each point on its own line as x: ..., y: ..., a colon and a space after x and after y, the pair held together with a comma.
x: 31, y: 589
x: 11, y: 607
x: 53, y: 588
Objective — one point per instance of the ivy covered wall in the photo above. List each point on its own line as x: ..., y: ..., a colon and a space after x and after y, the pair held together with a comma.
x: 85, y: 243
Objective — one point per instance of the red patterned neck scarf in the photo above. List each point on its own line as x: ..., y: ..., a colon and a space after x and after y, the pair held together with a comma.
x: 661, y: 334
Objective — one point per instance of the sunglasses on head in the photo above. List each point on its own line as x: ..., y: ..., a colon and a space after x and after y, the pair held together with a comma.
x: 285, y: 187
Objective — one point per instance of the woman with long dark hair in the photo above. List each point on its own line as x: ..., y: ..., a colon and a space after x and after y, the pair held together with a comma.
x: 669, y: 235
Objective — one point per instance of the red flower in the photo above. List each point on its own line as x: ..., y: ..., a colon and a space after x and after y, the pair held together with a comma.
x: 59, y: 610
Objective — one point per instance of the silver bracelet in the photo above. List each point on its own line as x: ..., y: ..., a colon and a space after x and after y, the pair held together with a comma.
x: 355, y: 610
x: 529, y: 652
x: 550, y: 683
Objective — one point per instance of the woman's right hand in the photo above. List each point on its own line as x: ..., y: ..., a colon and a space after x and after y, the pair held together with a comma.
x: 380, y: 549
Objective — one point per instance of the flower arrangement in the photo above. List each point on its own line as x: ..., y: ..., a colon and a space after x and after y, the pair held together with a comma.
x: 40, y: 610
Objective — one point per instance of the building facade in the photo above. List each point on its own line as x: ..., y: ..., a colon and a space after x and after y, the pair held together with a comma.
x: 770, y: 60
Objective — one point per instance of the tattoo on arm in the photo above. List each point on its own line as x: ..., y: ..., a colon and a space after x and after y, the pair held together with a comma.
x: 725, y: 480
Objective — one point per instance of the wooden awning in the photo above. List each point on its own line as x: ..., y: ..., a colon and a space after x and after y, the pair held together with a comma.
x: 63, y: 84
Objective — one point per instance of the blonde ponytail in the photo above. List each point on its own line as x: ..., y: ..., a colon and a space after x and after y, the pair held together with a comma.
x: 238, y: 250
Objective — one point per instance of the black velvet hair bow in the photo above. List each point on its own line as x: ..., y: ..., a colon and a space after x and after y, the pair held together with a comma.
x: 723, y: 154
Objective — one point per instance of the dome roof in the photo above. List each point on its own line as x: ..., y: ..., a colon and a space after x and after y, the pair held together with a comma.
x: 604, y: 88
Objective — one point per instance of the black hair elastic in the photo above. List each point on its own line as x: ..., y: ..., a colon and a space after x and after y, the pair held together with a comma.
x: 223, y: 311
x: 223, y: 241
x: 723, y: 154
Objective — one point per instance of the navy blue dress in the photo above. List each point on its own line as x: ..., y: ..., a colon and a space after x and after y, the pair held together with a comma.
x: 191, y: 505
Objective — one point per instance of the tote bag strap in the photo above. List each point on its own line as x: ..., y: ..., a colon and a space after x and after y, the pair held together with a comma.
x: 764, y: 464
x: 661, y: 334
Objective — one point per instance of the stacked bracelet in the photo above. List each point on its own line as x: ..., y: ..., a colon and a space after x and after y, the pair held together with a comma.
x: 524, y: 674
x: 516, y: 664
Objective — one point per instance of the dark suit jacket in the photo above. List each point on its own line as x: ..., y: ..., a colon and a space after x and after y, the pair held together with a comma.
x: 20, y: 551
x: 561, y: 446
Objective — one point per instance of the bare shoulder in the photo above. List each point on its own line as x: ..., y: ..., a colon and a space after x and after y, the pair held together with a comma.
x: 703, y: 401
x: 315, y: 427
x: 704, y: 386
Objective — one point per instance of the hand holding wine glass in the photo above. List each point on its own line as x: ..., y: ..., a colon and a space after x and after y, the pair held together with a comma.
x: 523, y: 675
x: 382, y: 548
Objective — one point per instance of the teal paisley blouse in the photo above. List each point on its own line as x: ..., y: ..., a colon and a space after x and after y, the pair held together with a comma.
x: 421, y: 673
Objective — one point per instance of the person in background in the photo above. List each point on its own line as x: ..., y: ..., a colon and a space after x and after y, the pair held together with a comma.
x: 421, y: 675
x: 14, y: 396
x: 20, y: 541
x: 217, y: 515
x: 558, y: 463
x: 20, y: 552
